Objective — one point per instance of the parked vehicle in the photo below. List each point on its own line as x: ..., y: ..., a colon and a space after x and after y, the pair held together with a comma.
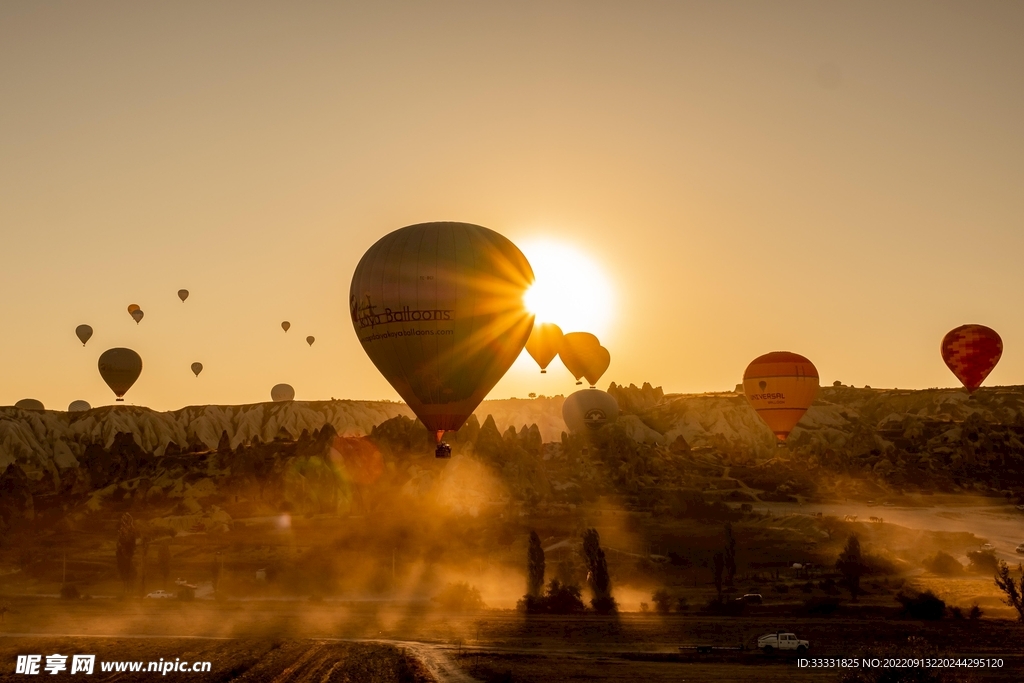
x: 781, y: 641
x: 160, y: 594
x: 751, y: 599
x: 1020, y: 549
x: 987, y: 546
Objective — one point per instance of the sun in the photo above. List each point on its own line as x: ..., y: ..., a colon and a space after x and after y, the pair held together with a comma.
x: 570, y: 289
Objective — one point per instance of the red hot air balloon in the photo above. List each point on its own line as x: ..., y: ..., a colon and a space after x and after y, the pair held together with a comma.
x: 971, y: 351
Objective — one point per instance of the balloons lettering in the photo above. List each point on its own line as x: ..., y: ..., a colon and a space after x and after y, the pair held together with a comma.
x: 119, y: 368
x: 971, y: 352
x: 438, y: 308
x: 780, y: 386
x: 544, y: 343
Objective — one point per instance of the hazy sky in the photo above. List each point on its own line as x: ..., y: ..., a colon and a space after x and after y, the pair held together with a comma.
x: 843, y: 180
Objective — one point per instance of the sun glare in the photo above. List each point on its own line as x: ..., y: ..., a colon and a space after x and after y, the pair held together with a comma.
x: 570, y: 289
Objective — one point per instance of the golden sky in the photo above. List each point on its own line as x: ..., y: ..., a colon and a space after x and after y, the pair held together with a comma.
x: 842, y: 180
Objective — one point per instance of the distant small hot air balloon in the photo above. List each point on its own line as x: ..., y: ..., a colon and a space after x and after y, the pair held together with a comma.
x: 589, y: 410
x: 132, y: 308
x: 138, y: 315
x: 780, y: 386
x: 438, y: 308
x: 29, y: 404
x: 310, y: 340
x: 79, y: 406
x: 84, y: 333
x: 182, y: 294
x: 282, y: 392
x: 971, y: 352
x: 197, y: 368
x: 119, y: 368
x: 544, y: 343
x: 285, y: 325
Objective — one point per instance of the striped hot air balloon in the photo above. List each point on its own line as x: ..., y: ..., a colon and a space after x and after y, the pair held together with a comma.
x: 780, y: 386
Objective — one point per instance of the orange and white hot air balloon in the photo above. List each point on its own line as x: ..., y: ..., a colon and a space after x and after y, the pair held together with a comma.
x: 544, y: 343
x: 780, y: 386
x: 971, y: 352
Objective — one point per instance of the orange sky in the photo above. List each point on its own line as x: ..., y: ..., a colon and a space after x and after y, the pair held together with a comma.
x: 842, y: 180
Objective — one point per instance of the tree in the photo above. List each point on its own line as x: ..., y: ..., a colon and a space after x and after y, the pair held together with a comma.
x: 662, y: 600
x: 126, y: 537
x: 831, y: 524
x: 719, y: 567
x: 730, y: 554
x: 534, y: 567
x: 1012, y: 589
x: 597, y: 576
x: 851, y: 565
x: 164, y: 561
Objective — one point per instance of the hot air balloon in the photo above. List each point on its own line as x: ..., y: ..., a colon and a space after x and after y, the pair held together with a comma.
x: 781, y: 387
x: 29, y: 404
x: 132, y: 308
x: 971, y: 351
x: 137, y: 315
x: 310, y: 340
x: 285, y: 325
x: 282, y: 392
x: 79, y: 406
x: 197, y: 368
x: 182, y: 294
x: 119, y: 368
x: 589, y: 410
x: 84, y: 333
x: 544, y: 343
x: 583, y: 354
x: 438, y: 308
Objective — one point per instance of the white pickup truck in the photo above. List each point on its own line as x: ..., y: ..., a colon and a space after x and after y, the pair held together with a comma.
x: 770, y: 642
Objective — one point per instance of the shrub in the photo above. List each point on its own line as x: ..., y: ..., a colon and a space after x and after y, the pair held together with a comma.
x: 644, y: 607
x: 185, y: 593
x: 459, y: 597
x: 943, y: 564
x: 662, y: 600
x: 975, y: 613
x: 982, y: 561
x: 829, y: 586
x: 682, y: 605
x: 924, y: 605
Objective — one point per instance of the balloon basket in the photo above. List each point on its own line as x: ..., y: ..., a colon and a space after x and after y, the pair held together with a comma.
x: 443, y: 450
x: 119, y: 399
x: 543, y: 372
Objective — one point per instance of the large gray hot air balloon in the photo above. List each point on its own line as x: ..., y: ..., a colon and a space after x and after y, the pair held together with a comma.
x: 589, y: 410
x: 282, y: 392
x: 182, y: 294
x: 197, y: 368
x: 84, y: 333
x: 119, y: 368
x: 438, y: 308
x: 79, y: 406
x: 29, y: 404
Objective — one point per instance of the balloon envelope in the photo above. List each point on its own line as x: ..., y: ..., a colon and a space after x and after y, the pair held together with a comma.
x: 544, y: 343
x: 29, y: 404
x: 310, y: 340
x: 282, y: 392
x: 285, y: 325
x: 780, y: 386
x: 588, y: 410
x: 438, y: 308
x: 197, y: 368
x: 137, y: 315
x: 132, y: 308
x: 84, y: 333
x: 971, y: 352
x: 182, y: 294
x: 79, y: 406
x: 119, y: 368
x: 581, y: 353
